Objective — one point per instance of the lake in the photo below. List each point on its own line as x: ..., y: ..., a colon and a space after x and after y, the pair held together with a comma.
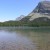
x: 12, y: 38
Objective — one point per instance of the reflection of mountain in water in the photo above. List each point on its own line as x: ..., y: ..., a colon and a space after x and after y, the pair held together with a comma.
x: 25, y: 39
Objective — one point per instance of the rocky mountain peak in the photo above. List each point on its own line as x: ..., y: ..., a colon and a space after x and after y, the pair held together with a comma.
x: 42, y: 7
x: 41, y: 10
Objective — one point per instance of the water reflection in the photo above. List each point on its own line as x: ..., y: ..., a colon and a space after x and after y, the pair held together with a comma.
x: 25, y: 39
x: 39, y: 37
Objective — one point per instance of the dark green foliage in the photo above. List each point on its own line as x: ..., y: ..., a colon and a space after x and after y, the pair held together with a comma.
x: 43, y: 21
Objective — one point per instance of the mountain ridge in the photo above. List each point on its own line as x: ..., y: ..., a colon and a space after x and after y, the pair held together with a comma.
x: 40, y: 16
x: 41, y: 10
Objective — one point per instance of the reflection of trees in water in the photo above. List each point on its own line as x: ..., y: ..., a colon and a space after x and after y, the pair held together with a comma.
x: 39, y: 38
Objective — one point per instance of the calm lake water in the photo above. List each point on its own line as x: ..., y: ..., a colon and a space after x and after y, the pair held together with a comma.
x: 24, y: 39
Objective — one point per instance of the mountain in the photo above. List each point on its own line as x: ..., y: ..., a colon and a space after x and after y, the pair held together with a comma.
x: 42, y: 7
x: 41, y: 10
x: 40, y: 16
x: 19, y: 18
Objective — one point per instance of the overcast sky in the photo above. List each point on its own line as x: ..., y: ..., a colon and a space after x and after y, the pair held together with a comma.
x: 11, y: 9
